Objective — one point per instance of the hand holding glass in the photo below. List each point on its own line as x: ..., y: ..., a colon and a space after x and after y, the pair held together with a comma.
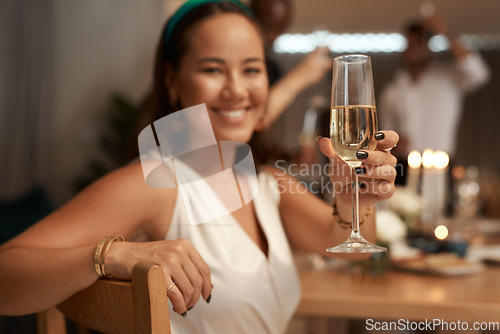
x: 353, y: 125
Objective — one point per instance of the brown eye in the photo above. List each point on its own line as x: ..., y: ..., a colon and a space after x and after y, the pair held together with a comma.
x: 253, y: 70
x: 212, y: 70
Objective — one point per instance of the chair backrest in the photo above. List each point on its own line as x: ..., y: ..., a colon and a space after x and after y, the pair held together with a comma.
x: 112, y: 306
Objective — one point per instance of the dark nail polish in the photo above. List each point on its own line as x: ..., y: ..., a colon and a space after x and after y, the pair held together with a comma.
x: 362, y: 185
x: 361, y: 155
x: 209, y: 298
x: 184, y: 314
x: 189, y: 309
x: 360, y: 170
x: 379, y: 136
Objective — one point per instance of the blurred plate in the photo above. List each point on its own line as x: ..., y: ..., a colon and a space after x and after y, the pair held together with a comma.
x: 444, y: 264
x: 489, y: 254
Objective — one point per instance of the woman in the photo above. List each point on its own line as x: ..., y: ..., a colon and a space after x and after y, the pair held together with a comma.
x: 211, y: 52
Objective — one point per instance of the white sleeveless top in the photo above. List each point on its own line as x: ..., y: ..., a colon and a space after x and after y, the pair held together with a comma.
x: 252, y: 293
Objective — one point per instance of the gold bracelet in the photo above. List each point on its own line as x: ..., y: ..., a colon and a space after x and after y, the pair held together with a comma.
x: 344, y: 224
x: 97, y: 256
x: 101, y: 251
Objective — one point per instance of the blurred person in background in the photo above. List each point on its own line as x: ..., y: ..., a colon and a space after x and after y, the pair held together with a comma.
x: 424, y: 101
x: 274, y: 17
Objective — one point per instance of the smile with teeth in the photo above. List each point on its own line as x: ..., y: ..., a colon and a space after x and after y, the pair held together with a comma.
x: 232, y: 114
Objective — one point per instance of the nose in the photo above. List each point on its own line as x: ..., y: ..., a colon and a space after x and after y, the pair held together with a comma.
x: 234, y: 87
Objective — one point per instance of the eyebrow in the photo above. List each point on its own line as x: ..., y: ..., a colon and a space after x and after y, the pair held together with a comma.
x: 209, y: 60
x: 221, y: 61
x: 250, y: 60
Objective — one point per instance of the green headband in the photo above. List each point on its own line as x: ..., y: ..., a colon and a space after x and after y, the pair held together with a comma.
x: 185, y: 9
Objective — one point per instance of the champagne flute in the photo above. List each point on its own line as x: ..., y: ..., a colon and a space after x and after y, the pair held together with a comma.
x: 353, y: 125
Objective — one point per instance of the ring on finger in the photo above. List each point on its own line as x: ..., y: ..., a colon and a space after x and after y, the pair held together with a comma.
x: 171, y: 286
x: 388, y: 149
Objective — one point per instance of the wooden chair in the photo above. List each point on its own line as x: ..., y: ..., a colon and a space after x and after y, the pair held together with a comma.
x: 112, y: 306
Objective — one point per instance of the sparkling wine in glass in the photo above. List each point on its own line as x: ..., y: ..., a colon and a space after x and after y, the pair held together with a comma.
x: 353, y: 125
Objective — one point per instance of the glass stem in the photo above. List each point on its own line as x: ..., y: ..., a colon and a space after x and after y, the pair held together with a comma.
x: 355, y: 206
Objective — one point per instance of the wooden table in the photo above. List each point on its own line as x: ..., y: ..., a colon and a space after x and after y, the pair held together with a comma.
x: 400, y: 295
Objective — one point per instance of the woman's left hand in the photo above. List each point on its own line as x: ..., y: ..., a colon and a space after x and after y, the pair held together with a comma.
x: 376, y: 175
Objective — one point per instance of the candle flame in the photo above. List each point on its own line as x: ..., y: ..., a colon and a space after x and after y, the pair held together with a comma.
x: 441, y: 232
x: 441, y: 159
x: 414, y: 159
x: 428, y: 158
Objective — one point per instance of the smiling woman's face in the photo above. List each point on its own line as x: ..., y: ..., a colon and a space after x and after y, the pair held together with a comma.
x: 224, y: 68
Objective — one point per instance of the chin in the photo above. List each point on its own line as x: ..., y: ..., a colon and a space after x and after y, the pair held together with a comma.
x: 241, y: 137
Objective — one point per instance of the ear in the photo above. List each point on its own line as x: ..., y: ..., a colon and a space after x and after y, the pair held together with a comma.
x: 170, y: 82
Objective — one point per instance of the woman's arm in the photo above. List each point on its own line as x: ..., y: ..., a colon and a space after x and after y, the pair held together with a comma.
x: 34, y: 279
x: 309, y: 72
x: 308, y: 220
x: 54, y: 258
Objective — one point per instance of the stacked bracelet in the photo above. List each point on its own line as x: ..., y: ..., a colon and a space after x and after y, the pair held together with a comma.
x: 344, y: 224
x: 101, y: 251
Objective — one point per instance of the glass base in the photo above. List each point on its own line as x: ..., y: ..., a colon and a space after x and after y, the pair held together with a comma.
x: 356, y: 246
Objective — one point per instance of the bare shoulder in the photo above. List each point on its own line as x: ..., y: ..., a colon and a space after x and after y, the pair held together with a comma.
x: 127, y: 185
